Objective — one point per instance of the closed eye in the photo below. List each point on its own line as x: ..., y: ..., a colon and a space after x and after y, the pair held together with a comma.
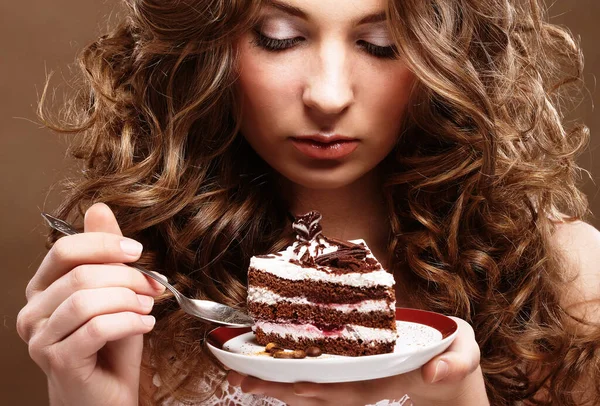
x: 273, y: 44
x: 387, y: 52
x: 278, y: 45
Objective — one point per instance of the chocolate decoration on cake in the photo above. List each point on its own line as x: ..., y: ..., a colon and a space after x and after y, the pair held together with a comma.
x: 307, y: 226
x: 348, y: 258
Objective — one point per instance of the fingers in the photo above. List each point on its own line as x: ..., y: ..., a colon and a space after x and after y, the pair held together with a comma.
x: 235, y: 378
x: 87, y: 248
x: 458, y: 361
x: 74, y: 351
x: 282, y: 391
x: 84, y: 305
x: 350, y: 393
x: 314, y: 389
x: 83, y: 277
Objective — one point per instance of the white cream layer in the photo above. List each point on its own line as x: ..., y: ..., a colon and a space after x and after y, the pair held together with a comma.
x: 281, y: 267
x: 350, y: 332
x: 266, y: 296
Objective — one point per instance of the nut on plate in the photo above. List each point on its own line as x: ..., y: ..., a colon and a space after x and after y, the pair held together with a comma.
x: 272, y: 348
x: 299, y: 354
x: 284, y: 354
x: 313, y: 351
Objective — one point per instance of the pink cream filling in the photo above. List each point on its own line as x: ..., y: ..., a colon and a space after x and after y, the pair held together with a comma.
x: 310, y: 331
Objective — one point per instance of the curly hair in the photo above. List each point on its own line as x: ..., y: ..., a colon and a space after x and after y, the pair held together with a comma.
x: 483, y: 169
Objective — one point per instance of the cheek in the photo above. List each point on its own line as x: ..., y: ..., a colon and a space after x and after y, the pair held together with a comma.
x: 390, y: 92
x: 386, y: 97
x: 267, y: 88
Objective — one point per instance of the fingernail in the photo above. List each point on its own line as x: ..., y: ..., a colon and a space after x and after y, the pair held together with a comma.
x: 131, y: 247
x: 145, y: 301
x: 148, y: 320
x: 441, y: 371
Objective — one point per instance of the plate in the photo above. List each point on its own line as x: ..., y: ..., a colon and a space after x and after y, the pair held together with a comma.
x: 421, y: 336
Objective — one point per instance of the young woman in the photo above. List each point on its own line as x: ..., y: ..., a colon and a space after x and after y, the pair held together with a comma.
x: 432, y: 129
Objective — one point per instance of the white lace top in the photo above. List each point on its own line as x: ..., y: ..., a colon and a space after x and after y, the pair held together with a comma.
x: 233, y: 396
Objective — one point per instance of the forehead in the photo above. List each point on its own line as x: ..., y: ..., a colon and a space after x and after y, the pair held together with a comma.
x: 354, y: 12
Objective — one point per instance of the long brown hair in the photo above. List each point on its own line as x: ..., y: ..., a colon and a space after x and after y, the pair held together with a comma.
x: 482, y: 168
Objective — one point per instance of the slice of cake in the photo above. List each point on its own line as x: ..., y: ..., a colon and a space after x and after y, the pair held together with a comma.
x: 322, y: 292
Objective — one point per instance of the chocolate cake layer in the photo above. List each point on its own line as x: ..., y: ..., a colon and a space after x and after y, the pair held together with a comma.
x: 289, y: 312
x: 329, y: 345
x: 317, y: 291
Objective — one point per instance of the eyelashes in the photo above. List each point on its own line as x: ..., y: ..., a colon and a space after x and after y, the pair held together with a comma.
x: 278, y: 45
x: 272, y: 44
x: 389, y: 52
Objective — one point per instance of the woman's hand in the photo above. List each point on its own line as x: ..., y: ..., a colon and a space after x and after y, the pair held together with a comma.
x: 86, y: 313
x: 451, y: 378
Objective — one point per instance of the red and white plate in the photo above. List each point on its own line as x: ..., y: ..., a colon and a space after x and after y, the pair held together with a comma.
x: 421, y: 336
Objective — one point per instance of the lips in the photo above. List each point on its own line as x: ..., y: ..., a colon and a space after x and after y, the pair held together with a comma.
x: 325, y: 147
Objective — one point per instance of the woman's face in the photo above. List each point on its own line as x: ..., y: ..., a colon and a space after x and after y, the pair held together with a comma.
x: 322, y: 91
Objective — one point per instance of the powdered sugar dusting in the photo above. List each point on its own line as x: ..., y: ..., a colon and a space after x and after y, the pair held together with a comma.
x: 415, y: 335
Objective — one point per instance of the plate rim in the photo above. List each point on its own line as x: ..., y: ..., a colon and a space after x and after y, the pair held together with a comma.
x: 448, y: 329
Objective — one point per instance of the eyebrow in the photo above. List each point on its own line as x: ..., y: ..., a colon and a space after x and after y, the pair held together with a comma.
x: 298, y: 12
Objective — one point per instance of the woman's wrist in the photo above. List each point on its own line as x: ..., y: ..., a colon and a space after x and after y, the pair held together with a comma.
x: 469, y: 392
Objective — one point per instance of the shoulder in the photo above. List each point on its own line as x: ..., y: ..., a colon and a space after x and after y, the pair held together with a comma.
x: 577, y: 246
x: 575, y: 234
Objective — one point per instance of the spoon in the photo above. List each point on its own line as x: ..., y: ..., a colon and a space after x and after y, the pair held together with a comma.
x: 203, y: 309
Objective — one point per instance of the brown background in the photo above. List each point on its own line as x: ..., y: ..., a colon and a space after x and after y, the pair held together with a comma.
x: 38, y: 36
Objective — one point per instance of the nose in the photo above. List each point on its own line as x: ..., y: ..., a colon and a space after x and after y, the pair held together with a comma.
x: 328, y: 88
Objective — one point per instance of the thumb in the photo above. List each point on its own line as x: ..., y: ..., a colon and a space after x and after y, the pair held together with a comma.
x: 100, y: 218
x: 124, y: 355
x: 461, y: 359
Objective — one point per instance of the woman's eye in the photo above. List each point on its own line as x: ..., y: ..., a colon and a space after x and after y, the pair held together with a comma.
x: 273, y: 44
x: 387, y: 52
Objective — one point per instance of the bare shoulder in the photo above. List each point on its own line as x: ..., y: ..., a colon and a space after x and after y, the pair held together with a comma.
x: 578, y: 243
x: 578, y: 246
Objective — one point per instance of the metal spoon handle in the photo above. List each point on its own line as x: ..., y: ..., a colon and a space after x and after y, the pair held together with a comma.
x: 59, y: 225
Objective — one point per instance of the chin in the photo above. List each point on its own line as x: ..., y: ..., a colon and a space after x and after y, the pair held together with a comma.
x: 323, y: 179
